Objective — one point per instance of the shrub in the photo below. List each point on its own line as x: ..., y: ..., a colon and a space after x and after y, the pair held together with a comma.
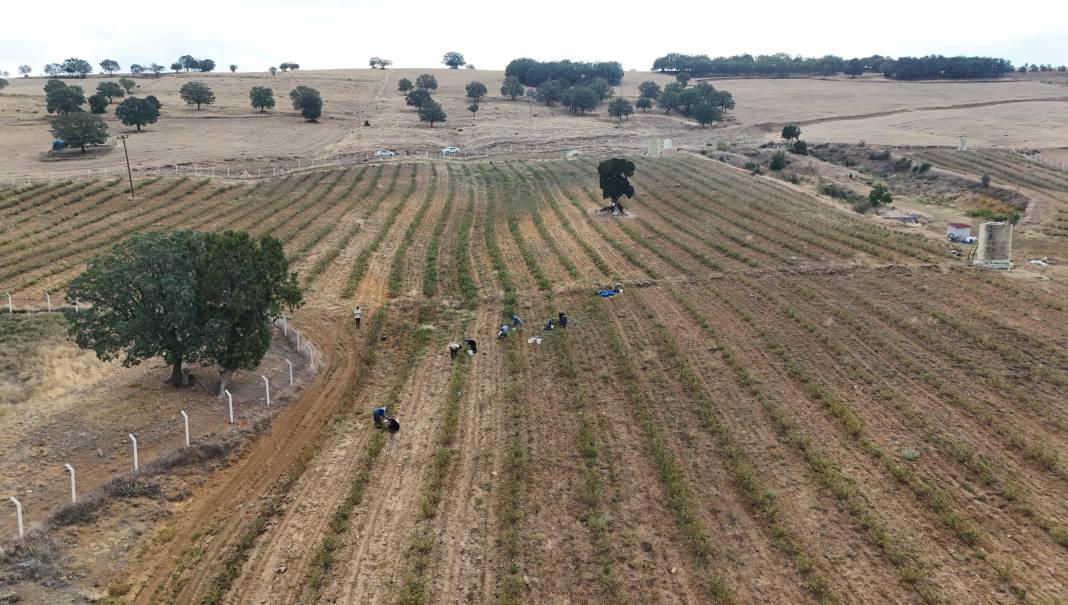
x: 723, y: 145
x: 752, y: 167
x: 778, y: 161
x: 902, y: 165
x: 984, y: 181
x: 880, y: 155
x: 799, y: 147
x: 921, y: 168
x: 910, y: 454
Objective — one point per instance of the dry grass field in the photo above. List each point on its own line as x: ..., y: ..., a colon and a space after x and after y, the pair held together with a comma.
x: 788, y: 403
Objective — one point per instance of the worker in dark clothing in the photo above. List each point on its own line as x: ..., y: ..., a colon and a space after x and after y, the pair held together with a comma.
x: 517, y: 322
x: 379, y: 416
x: 551, y: 324
x: 454, y: 349
x: 392, y: 425
x: 503, y: 332
x: 563, y: 320
x: 472, y: 346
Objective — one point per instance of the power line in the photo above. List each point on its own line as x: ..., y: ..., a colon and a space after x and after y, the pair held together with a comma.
x: 129, y: 172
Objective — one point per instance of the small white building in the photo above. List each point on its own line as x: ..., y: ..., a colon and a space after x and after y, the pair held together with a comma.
x: 958, y: 231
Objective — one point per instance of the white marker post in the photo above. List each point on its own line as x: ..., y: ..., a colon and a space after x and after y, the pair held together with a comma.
x: 137, y: 464
x: 77, y: 309
x: 290, y: 372
x: 73, y: 488
x: 230, y: 400
x: 295, y: 332
x: 18, y: 515
x: 267, y: 386
x: 48, y: 297
x: 285, y: 326
x: 10, y: 307
x: 185, y: 421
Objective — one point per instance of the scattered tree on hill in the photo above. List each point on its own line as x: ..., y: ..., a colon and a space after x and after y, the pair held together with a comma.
x: 405, y: 86
x: 233, y: 68
x: 373, y: 62
x: 614, y: 181
x: 196, y: 93
x: 512, y: 87
x: 73, y: 66
x: 473, y: 108
x: 241, y: 284
x: 262, y: 98
x: 426, y: 82
x: 573, y: 73
x: 682, y: 78
x: 138, y: 112
x: 417, y: 98
x: 25, y: 71
x: 551, y: 91
x: 706, y: 113
x: 601, y: 88
x: 80, y: 129
x: 155, y: 68
x: 154, y: 102
x: 620, y: 108
x: 3, y: 83
x: 176, y: 66
x: 854, y: 68
x: 109, y: 65
x: 188, y: 62
x: 53, y: 70
x: 431, y: 111
x: 273, y: 70
x: 879, y: 196
x: 799, y: 147
x: 580, y: 99
x: 110, y: 90
x: 61, y: 98
x: 791, y: 132
x: 289, y: 66
x: 470, y: 66
x: 670, y: 97
x: 137, y: 69
x: 476, y: 90
x: 778, y: 161
x: 384, y: 63
x: 206, y: 65
x: 128, y: 84
x: 98, y: 103
x: 308, y: 101
x: 643, y: 103
x: 453, y: 59
x: 649, y: 89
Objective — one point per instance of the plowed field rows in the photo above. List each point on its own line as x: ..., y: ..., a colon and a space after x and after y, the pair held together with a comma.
x: 786, y: 404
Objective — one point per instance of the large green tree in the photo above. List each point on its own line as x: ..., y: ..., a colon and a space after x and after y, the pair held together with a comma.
x: 601, y: 88
x: 512, y: 87
x: 110, y: 90
x: 242, y: 283
x: 476, y: 90
x: 404, y: 85
x: 75, y: 66
x: 308, y: 102
x: 196, y: 93
x: 431, y: 111
x: 649, y: 89
x: 262, y: 97
x: 581, y: 99
x: 128, y: 84
x: 706, y: 113
x: 79, y: 129
x: 61, y: 98
x: 643, y: 103
x: 791, y: 131
x: 551, y: 91
x: 620, y: 108
x: 453, y: 59
x: 136, y: 111
x: 109, y: 65
x: 417, y: 97
x: 614, y: 176
x: 426, y: 82
x: 139, y: 301
x: 98, y: 103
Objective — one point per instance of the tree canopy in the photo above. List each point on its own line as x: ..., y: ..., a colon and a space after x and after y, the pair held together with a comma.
x: 551, y: 91
x: 405, y: 86
x: 580, y: 99
x: 128, y: 84
x: 417, y: 97
x: 138, y: 112
x: 111, y: 90
x: 233, y: 68
x: 110, y: 66
x: 98, y: 103
x: 76, y: 66
x: 426, y: 82
x: 137, y: 69
x: 3, y: 83
x: 512, y: 87
x: 25, y: 71
x: 643, y: 103
x: 534, y: 73
x: 184, y: 296
x: 431, y: 111
x: 476, y: 90
x: 614, y: 179
x: 262, y: 98
x: 453, y: 59
x: 791, y: 131
x: 60, y: 98
x: 649, y: 89
x: 196, y: 93
x: 620, y: 108
x: 308, y: 101
x: 80, y: 129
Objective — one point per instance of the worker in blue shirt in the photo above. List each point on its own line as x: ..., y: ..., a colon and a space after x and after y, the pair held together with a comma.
x: 379, y: 416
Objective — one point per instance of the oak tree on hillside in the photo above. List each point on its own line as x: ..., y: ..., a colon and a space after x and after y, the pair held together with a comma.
x: 614, y: 180
x: 426, y: 82
x: 53, y: 70
x: 643, y: 103
x: 25, y: 71
x: 196, y: 93
x: 3, y: 83
x: 176, y: 66
x: 620, y: 108
x: 580, y: 99
x: 154, y: 102
x: 128, y: 84
x: 706, y: 113
x: 80, y: 129
x: 551, y: 91
x: 188, y: 62
x: 791, y: 131
x: 155, y: 68
x: 262, y: 98
x: 473, y: 108
x: 98, y: 103
x: 405, y: 86
x: 512, y: 87
x: 138, y: 112
x: 308, y: 101
x: 453, y: 59
x: 417, y: 98
x: 111, y: 90
x: 476, y: 90
x: 205, y: 65
x: 601, y: 88
x: 137, y: 69
x: 854, y: 68
x: 649, y: 89
x: 75, y: 66
x: 60, y: 98
x: 682, y: 78
x: 431, y: 111
x: 110, y: 66
x: 273, y: 70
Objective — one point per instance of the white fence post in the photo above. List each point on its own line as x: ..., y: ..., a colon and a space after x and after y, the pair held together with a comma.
x: 10, y: 307
x: 297, y: 332
x: 18, y: 515
x: 48, y: 297
x: 290, y: 372
x: 267, y: 386
x: 285, y: 326
x: 73, y: 488
x: 230, y: 403
x: 137, y: 463
x: 185, y: 421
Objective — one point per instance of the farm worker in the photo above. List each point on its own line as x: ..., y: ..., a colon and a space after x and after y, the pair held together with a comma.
x: 356, y: 314
x: 517, y: 321
x: 392, y: 425
x: 551, y: 324
x: 503, y: 332
x: 379, y: 415
x: 619, y: 287
x: 563, y: 320
x: 472, y: 346
x: 454, y: 349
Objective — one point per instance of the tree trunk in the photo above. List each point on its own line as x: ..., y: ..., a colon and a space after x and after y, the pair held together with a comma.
x: 224, y: 381
x: 178, y: 377
x: 138, y: 128
x: 83, y: 147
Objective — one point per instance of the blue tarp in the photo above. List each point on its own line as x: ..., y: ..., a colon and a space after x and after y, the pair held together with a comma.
x: 605, y: 293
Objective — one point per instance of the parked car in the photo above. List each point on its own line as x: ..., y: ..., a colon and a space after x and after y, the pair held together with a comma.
x: 384, y: 153
x: 450, y: 150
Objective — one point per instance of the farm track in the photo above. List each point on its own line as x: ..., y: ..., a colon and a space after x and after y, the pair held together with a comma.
x: 735, y: 427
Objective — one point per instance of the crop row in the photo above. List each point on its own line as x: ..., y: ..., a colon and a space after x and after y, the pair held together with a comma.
x: 331, y: 224
x: 396, y: 272
x: 539, y: 222
x: 541, y: 182
x: 430, y: 259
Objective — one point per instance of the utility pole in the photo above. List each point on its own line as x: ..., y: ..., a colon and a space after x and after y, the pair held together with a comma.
x: 129, y: 172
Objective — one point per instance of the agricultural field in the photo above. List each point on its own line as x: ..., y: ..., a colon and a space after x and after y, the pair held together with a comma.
x: 788, y: 402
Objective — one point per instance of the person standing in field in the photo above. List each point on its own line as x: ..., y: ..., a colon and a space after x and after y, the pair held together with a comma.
x: 357, y: 314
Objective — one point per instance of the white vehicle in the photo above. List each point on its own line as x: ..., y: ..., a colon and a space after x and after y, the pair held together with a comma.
x: 384, y: 153
x: 450, y: 150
